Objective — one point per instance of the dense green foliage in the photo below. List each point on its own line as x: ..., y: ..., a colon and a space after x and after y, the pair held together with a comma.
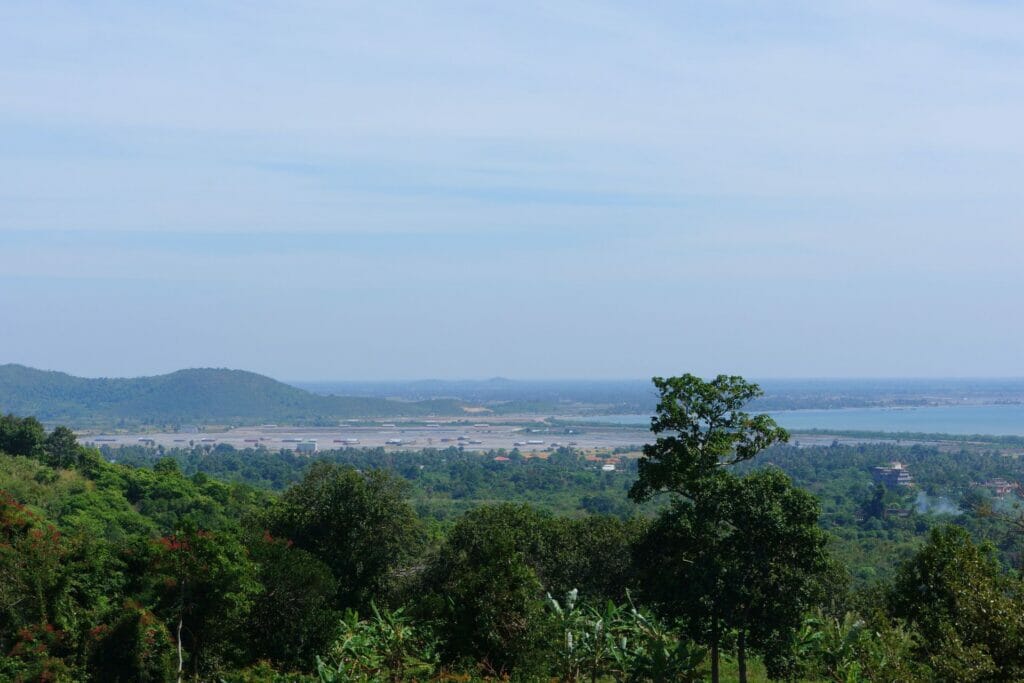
x: 747, y: 548
x: 442, y: 565
x: 443, y: 483
x: 358, y: 525
x: 871, y: 531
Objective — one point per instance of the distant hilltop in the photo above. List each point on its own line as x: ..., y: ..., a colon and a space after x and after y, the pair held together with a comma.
x: 218, y: 396
x: 200, y: 395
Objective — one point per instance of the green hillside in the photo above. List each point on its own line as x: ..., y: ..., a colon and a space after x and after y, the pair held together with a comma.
x: 195, y: 395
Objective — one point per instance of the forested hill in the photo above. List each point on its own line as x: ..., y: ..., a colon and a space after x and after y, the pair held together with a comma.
x: 197, y: 395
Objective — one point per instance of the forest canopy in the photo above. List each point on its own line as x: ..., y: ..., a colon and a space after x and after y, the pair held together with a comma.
x: 722, y: 552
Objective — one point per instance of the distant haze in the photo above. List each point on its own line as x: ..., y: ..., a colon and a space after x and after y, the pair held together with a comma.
x: 318, y: 190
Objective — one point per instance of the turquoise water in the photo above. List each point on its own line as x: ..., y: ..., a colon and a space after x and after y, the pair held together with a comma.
x: 998, y: 420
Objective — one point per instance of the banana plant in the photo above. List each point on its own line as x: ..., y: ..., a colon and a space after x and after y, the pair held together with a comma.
x: 850, y: 650
x: 388, y: 646
x: 622, y: 642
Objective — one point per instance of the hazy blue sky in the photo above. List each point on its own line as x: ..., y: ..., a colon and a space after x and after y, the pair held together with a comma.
x: 561, y: 189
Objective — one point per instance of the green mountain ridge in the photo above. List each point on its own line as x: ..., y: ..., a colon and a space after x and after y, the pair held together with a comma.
x: 192, y: 395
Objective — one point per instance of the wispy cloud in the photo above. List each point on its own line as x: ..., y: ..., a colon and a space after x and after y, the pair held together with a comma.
x: 711, y: 173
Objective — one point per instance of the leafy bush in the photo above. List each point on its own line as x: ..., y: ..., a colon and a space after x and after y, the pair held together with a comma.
x: 620, y: 641
x: 850, y: 649
x: 387, y: 647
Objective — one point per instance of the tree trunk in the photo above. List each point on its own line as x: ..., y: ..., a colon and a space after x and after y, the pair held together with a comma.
x: 180, y: 660
x: 714, y: 649
x: 741, y: 648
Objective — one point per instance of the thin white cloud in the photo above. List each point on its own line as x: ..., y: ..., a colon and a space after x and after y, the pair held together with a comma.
x: 644, y: 151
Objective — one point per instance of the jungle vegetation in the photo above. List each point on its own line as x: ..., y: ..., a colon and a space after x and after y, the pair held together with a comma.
x: 721, y: 553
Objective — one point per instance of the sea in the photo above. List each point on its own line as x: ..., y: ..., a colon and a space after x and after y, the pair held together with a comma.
x: 991, y: 420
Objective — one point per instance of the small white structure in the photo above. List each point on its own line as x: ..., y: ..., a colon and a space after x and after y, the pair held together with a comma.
x: 608, y: 467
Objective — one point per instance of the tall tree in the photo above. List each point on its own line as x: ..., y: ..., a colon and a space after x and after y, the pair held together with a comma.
x: 21, y: 436
x: 483, y: 589
x: 698, y: 559
x: 205, y: 584
x: 61, y: 448
x: 359, y: 524
x: 291, y: 620
x: 701, y: 427
x: 777, y: 552
x: 685, y: 569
